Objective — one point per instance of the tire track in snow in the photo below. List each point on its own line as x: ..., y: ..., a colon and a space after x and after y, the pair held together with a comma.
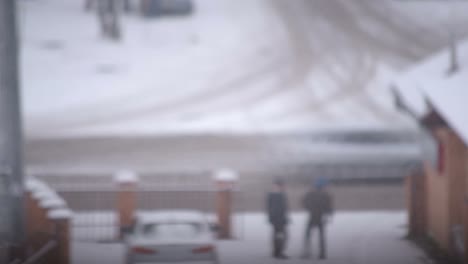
x: 300, y: 65
x: 226, y: 90
x: 334, y: 98
x: 419, y: 42
x: 338, y: 14
x: 299, y: 18
x: 328, y: 11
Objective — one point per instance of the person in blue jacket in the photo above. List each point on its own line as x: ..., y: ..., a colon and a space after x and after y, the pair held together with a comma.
x: 319, y: 205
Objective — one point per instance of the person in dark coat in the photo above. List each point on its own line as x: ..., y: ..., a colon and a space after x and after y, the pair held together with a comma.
x: 319, y: 204
x: 277, y: 210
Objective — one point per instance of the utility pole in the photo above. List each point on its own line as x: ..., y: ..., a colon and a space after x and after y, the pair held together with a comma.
x: 10, y: 128
x: 453, y: 39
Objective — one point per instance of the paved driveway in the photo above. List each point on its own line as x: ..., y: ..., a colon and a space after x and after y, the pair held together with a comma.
x: 354, y: 238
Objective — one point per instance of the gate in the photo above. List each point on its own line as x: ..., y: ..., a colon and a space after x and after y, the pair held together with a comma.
x: 94, y: 201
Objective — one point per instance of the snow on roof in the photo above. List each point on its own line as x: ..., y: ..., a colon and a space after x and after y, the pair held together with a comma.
x: 410, y: 92
x: 449, y: 97
x: 447, y: 92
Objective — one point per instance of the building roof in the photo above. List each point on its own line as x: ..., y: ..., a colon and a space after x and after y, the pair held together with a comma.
x: 449, y: 98
x: 430, y: 83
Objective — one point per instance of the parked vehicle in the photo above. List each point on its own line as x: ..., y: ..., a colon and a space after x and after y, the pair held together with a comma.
x: 171, y: 236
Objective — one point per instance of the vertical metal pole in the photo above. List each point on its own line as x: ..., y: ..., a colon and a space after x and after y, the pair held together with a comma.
x: 10, y: 119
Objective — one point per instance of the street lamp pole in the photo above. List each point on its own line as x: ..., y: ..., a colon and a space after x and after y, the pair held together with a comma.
x: 10, y: 126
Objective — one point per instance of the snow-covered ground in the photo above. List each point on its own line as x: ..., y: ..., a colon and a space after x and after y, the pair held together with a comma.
x: 365, y: 237
x: 234, y: 66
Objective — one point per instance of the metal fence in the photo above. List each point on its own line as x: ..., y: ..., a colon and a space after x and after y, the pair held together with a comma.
x: 93, y: 198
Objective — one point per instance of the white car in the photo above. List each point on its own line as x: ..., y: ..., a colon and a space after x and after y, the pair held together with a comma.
x: 171, y: 236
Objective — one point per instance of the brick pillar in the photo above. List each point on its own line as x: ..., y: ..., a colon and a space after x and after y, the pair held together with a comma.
x: 60, y: 220
x: 126, y: 206
x: 47, y: 205
x: 32, y: 212
x: 35, y: 190
x: 225, y: 182
x: 37, y: 222
x: 41, y: 222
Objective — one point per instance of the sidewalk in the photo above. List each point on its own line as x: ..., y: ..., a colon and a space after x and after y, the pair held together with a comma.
x: 354, y: 238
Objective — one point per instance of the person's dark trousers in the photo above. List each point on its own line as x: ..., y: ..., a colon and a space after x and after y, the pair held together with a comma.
x: 279, y: 238
x: 322, y: 239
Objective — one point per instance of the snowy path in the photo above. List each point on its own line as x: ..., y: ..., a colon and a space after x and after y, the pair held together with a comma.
x: 354, y: 238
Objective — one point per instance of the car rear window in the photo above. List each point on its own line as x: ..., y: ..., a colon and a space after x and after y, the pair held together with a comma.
x: 172, y: 230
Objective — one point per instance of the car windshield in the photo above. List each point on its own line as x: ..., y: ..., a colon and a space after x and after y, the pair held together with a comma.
x: 172, y: 230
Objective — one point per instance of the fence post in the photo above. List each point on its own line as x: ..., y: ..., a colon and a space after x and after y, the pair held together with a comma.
x: 225, y: 181
x: 41, y: 222
x: 60, y: 219
x: 127, y: 182
x: 38, y: 227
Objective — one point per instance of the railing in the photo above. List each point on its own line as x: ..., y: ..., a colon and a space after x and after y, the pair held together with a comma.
x: 97, y: 203
x: 95, y: 199
x: 96, y: 215
x: 41, y: 253
x: 47, y: 226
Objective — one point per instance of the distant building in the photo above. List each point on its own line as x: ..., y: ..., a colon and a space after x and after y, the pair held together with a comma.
x: 436, y: 95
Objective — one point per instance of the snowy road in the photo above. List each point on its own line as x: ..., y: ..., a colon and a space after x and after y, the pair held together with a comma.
x: 354, y: 238
x: 234, y: 66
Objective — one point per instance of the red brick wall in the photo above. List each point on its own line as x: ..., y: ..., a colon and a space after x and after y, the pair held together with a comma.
x: 446, y: 190
x: 415, y: 186
x: 465, y: 207
x: 437, y: 206
x: 455, y: 171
